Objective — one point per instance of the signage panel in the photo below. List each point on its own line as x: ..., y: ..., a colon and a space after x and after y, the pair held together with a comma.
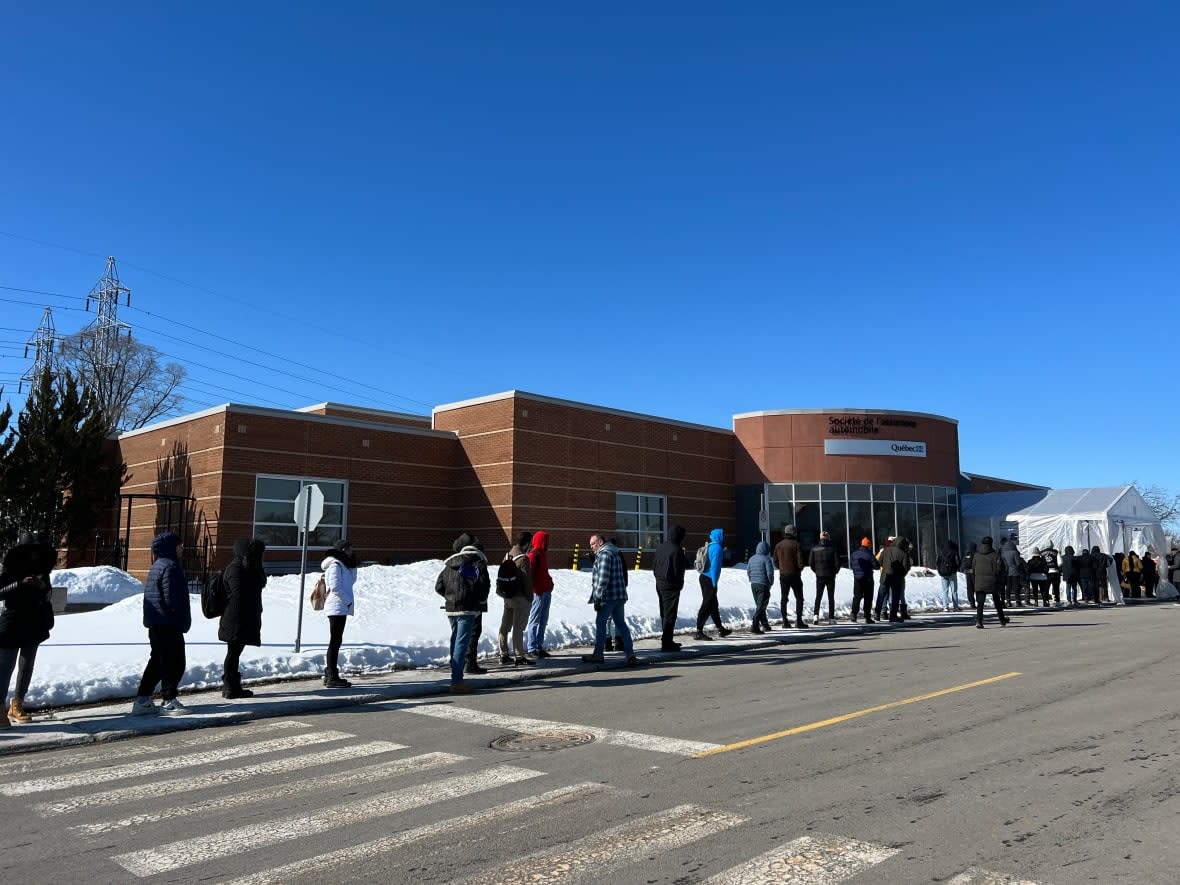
x: 897, y: 448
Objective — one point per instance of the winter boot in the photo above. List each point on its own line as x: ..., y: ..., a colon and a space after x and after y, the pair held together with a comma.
x: 16, y: 711
x: 332, y: 680
x: 231, y: 688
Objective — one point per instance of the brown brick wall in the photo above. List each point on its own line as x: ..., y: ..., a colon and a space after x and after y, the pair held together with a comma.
x: 790, y: 448
x: 540, y: 463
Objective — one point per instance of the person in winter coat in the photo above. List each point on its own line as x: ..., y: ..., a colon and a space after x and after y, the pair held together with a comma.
x: 896, y: 563
x: 1038, y: 578
x: 1151, y: 575
x: 788, y: 557
x: 167, y: 616
x: 881, y: 606
x: 709, y: 580
x: 760, y: 570
x: 26, y: 617
x: 1069, y: 574
x: 825, y: 562
x: 969, y: 573
x: 668, y: 568
x: 948, y: 570
x: 1053, y: 570
x: 608, y: 595
x: 1101, y: 574
x: 1085, y: 566
x: 471, y: 665
x: 339, y: 568
x: 863, y: 564
x: 1011, y: 556
x: 517, y: 607
x: 990, y: 575
x: 1133, y: 571
x: 465, y: 585
x: 241, y: 622
x: 534, y: 634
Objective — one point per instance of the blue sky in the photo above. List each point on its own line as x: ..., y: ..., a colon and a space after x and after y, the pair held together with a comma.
x: 684, y: 209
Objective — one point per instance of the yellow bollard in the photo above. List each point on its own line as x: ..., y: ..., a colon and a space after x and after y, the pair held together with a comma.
x: 574, y: 567
x: 638, y: 558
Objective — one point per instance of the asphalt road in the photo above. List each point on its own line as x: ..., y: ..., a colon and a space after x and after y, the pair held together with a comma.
x: 1040, y: 752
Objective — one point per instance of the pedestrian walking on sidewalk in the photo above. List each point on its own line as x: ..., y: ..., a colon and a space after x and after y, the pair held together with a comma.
x: 339, y: 568
x: 668, y: 568
x: 167, y: 616
x: 709, y: 580
x: 516, y: 607
x: 608, y: 595
x: 863, y: 564
x: 241, y: 622
x: 26, y: 617
x: 465, y: 585
x: 760, y: 570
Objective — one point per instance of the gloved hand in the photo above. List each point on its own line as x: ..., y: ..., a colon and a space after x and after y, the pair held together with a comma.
x: 598, y: 606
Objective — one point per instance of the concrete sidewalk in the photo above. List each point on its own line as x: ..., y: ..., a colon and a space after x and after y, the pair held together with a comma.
x: 73, y: 726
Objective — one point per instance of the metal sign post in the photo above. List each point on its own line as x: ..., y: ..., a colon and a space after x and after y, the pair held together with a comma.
x: 309, y: 510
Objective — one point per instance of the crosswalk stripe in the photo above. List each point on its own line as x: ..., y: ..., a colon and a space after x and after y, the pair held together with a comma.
x: 976, y: 876
x: 169, y: 764
x: 819, y: 859
x: 187, y: 852
x: 612, y: 848
x: 635, y: 740
x: 42, y: 762
x: 463, y: 824
x: 349, y: 778
x: 156, y: 789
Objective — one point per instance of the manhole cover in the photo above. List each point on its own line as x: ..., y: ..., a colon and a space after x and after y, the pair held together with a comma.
x: 555, y: 739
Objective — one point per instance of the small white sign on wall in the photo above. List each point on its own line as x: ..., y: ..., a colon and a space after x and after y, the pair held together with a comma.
x: 897, y: 448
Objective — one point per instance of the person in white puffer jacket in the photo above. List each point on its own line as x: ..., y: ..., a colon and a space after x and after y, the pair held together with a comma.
x: 339, y: 568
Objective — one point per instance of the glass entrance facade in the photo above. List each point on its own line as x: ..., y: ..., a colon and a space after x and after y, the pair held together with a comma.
x: 926, y: 515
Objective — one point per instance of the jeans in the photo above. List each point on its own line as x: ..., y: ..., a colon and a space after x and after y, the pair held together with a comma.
x: 828, y: 582
x: 534, y: 633
x: 862, y: 591
x: 950, y: 590
x: 761, y: 601
x: 166, y: 663
x: 709, y: 608
x: 611, y: 611
x: 791, y: 584
x: 669, y: 605
x: 8, y: 658
x: 1087, y: 588
x: 461, y: 626
x: 1071, y: 591
x: 514, y: 619
x: 335, y: 640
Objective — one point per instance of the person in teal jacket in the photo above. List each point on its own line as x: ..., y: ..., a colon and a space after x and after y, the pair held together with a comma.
x: 709, y: 580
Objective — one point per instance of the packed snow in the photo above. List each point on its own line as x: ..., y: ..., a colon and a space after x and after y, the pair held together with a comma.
x: 99, y: 655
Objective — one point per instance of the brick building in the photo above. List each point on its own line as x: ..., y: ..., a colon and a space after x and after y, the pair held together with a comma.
x: 400, y: 486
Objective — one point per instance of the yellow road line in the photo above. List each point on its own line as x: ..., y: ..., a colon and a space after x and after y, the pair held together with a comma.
x: 835, y: 720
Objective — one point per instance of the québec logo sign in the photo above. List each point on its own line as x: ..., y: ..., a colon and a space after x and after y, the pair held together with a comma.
x: 915, y: 448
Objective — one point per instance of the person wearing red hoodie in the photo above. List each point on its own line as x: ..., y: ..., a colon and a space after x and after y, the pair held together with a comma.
x: 534, y: 632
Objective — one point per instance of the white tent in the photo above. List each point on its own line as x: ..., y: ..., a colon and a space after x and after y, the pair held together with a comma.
x: 1116, y: 519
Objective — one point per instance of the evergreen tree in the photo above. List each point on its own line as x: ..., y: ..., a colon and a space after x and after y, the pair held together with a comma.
x: 60, y: 473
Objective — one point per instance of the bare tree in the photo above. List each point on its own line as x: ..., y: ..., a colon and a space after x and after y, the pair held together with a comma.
x: 127, y: 378
x: 1164, y: 504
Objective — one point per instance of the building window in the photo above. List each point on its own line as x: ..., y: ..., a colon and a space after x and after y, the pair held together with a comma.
x: 274, y: 505
x: 640, y: 520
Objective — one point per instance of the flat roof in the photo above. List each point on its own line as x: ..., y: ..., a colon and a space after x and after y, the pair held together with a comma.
x: 364, y: 410
x: 770, y: 412
x: 290, y: 415
x: 536, y: 397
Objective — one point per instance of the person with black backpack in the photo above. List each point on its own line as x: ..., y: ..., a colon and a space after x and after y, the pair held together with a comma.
x: 948, y: 570
x: 515, y: 588
x: 465, y: 585
x: 241, y: 622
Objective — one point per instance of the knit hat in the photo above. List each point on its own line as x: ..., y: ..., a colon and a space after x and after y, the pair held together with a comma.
x: 790, y: 531
x: 865, y: 542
